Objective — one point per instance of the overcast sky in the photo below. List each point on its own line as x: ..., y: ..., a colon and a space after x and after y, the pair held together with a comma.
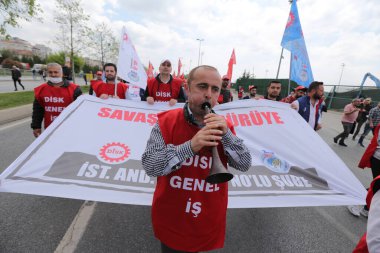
x: 336, y: 32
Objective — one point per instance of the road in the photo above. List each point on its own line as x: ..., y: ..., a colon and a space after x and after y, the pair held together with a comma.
x: 6, y: 83
x: 38, y: 224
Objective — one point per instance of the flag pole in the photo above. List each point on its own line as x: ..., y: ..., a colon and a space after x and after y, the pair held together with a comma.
x: 290, y: 69
x: 279, y: 63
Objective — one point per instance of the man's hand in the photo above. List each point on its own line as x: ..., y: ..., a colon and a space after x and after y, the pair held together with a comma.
x: 216, y: 121
x: 103, y: 96
x: 319, y: 126
x: 206, y: 137
x: 293, y: 106
x: 150, y: 100
x: 172, y: 101
x: 37, y: 132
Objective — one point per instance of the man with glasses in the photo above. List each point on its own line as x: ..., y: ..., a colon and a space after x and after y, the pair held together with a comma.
x: 309, y: 107
x: 164, y: 88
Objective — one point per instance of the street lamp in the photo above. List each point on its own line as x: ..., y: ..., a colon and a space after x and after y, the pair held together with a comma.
x: 199, y: 53
x: 341, y: 73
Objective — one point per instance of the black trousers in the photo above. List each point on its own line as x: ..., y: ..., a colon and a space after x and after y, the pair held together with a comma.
x: 19, y: 82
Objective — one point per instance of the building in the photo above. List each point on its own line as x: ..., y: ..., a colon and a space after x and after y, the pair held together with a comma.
x: 24, y: 48
x: 41, y: 51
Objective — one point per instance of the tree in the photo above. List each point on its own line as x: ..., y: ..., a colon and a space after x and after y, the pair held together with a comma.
x: 60, y: 59
x: 12, y: 11
x: 73, y: 25
x: 104, y: 43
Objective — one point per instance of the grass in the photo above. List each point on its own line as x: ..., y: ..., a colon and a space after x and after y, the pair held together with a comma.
x: 14, y: 99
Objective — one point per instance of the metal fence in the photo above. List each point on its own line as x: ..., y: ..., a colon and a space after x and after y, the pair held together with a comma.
x: 338, y: 96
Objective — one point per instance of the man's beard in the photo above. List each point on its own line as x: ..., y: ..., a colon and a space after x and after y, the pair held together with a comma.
x: 111, y: 79
x: 316, y: 96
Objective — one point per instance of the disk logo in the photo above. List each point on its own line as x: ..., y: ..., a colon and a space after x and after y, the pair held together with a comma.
x: 274, y: 163
x: 133, y: 76
x: 114, y: 153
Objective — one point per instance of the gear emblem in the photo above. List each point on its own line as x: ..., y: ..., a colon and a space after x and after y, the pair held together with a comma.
x: 114, y: 153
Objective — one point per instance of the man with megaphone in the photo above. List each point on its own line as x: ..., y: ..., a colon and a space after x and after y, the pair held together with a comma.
x: 190, y: 200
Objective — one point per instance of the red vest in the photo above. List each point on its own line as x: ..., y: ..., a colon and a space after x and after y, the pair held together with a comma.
x: 54, y: 99
x: 109, y: 89
x: 94, y: 82
x: 362, y: 244
x: 365, y: 162
x: 189, y: 214
x: 162, y: 92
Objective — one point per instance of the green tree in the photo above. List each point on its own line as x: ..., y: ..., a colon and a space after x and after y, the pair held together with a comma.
x: 12, y: 11
x: 7, y: 54
x: 60, y: 59
x: 73, y: 28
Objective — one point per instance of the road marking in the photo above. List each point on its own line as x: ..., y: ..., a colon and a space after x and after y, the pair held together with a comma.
x: 341, y: 228
x: 14, y: 123
x: 75, y: 232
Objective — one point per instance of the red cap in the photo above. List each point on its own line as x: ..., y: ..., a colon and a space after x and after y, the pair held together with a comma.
x: 99, y: 72
x: 251, y: 87
x: 225, y: 77
x: 300, y: 87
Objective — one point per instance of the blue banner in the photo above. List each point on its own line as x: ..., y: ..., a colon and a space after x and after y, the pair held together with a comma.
x: 293, y: 40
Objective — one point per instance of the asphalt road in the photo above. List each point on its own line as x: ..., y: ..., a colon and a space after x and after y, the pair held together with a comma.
x: 6, y: 83
x: 37, y: 224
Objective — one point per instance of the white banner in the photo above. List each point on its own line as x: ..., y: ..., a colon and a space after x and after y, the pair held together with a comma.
x: 129, y: 66
x: 92, y: 151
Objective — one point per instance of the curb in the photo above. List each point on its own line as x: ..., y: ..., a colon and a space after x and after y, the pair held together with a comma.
x: 15, y: 113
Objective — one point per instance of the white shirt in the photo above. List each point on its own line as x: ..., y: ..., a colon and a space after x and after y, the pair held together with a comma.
x: 373, y: 225
x: 313, y: 111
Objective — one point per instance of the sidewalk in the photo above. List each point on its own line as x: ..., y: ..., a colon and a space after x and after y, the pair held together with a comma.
x: 15, y: 113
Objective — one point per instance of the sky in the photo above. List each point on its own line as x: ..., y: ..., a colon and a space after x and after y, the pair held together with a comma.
x: 335, y: 32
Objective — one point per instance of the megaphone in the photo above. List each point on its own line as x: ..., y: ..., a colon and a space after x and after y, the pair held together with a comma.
x: 218, y: 173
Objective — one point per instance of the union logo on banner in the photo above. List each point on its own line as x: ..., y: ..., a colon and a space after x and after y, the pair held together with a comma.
x: 114, y: 153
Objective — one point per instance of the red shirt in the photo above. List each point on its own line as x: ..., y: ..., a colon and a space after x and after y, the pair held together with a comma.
x: 189, y: 214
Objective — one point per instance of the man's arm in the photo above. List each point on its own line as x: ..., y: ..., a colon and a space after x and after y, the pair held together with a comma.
x: 160, y: 159
x: 145, y: 95
x: 77, y: 92
x: 238, y: 154
x: 37, y: 117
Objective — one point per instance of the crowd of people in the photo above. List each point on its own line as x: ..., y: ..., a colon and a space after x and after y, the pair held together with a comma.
x: 191, y: 131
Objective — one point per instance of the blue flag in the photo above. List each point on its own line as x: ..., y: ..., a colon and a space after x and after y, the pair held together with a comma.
x: 293, y: 40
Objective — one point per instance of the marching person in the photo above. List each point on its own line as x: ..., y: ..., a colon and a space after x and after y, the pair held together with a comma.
x: 111, y: 88
x: 310, y: 106
x: 299, y: 91
x: 99, y: 76
x: 273, y: 91
x: 192, y: 220
x: 350, y: 113
x: 16, y: 77
x: 164, y: 88
x: 225, y: 93
x: 370, y: 242
x: 52, y: 98
x: 252, y: 92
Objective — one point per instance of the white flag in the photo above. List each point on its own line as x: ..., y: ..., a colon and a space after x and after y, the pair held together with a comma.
x: 129, y: 66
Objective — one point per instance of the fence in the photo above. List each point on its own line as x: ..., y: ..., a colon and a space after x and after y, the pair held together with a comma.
x: 337, y: 96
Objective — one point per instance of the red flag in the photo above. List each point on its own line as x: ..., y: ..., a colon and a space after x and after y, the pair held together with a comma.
x: 174, y: 75
x: 150, y: 71
x: 230, y: 64
x: 182, y: 76
x: 179, y: 67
